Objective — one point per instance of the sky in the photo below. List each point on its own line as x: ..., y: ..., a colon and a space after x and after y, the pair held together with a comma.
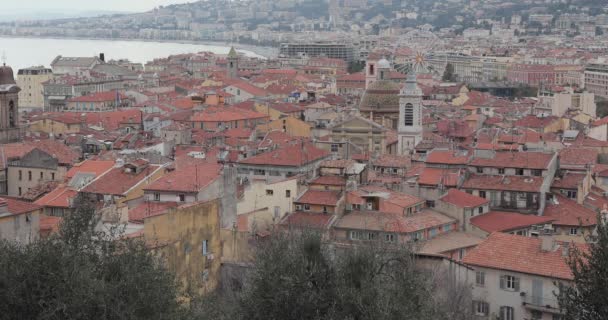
x: 86, y: 5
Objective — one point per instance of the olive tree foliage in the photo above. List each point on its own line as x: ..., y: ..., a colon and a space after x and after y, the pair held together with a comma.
x: 81, y: 273
x: 297, y: 276
x: 587, y: 297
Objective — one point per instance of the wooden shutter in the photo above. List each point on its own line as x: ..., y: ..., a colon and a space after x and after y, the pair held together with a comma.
x: 502, y: 282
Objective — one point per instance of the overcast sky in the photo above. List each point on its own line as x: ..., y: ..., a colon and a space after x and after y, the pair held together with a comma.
x: 86, y: 5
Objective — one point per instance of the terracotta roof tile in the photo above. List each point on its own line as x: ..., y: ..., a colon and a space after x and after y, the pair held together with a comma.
x: 569, y: 213
x: 189, y: 178
x: 510, y: 183
x: 391, y: 222
x: 506, y: 221
x: 577, y: 156
x: 329, y: 181
x: 117, y: 181
x: 149, y: 209
x: 308, y: 220
x: 462, y: 199
x: 529, y: 160
x: 325, y: 198
x: 293, y: 155
x: 519, y: 254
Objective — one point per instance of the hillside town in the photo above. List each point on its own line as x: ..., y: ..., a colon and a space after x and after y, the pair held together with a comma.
x: 490, y: 159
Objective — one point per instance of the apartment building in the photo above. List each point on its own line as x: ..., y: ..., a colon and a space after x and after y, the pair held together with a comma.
x: 30, y: 81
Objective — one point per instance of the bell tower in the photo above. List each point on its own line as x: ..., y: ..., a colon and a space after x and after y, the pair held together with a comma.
x: 410, y: 116
x: 10, y: 130
x: 233, y: 64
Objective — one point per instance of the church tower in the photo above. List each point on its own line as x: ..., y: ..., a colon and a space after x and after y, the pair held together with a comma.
x: 10, y: 130
x: 370, y: 72
x: 233, y: 64
x: 410, y: 116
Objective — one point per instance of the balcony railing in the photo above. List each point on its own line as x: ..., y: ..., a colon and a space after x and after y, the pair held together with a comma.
x: 541, y: 304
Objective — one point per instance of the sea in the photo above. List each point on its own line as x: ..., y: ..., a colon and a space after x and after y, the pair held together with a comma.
x: 26, y: 52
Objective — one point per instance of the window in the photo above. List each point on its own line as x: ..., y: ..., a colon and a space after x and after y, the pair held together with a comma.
x: 20, y: 175
x: 324, y: 209
x: 205, y: 247
x: 557, y: 317
x: 306, y: 207
x: 259, y: 172
x: 479, y: 170
x: 447, y: 227
x: 481, y: 308
x: 182, y: 197
x: 371, y: 69
x: 537, y: 172
x: 433, y: 232
x: 460, y: 254
x: 269, y: 192
x: 480, y: 279
x: 29, y: 176
x: 536, y: 315
x: 482, y: 194
x: 52, y: 175
x: 334, y: 148
x: 573, y: 231
x: 480, y: 210
x: 356, y: 235
x: 571, y: 194
x: 19, y: 191
x: 519, y: 172
x: 509, y: 283
x: 389, y: 237
x: 430, y: 203
x: 157, y: 196
x: 298, y: 207
x: 507, y: 313
x: 416, y: 236
x: 287, y: 193
x: 408, y: 115
x: 501, y: 170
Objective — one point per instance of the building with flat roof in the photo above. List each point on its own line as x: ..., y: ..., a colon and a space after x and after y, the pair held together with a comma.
x: 30, y: 81
x: 318, y: 49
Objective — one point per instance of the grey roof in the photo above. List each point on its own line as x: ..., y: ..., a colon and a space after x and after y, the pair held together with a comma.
x: 113, y: 70
x: 82, y: 62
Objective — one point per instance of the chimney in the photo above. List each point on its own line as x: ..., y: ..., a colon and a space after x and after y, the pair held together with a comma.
x: 102, y: 57
x: 547, y: 243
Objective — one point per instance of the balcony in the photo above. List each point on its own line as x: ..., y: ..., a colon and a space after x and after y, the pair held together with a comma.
x: 543, y: 304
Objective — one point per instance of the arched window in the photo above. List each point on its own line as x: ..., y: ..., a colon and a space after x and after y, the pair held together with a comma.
x: 371, y: 69
x: 408, y: 112
x: 11, y: 114
x: 382, y: 75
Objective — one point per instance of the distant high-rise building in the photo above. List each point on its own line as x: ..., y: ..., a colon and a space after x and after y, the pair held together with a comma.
x: 233, y: 64
x: 30, y: 81
x: 10, y: 130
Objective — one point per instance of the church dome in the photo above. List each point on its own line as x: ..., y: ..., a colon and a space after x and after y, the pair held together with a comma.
x: 381, y: 94
x: 6, y: 75
x: 384, y: 64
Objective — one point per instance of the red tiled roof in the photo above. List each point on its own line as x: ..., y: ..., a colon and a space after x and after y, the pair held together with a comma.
x: 96, y: 167
x: 60, y: 197
x: 190, y: 178
x: 437, y: 176
x: 225, y: 114
x: 117, y: 181
x: 569, y: 180
x: 393, y: 222
x: 529, y: 160
x: 506, y: 221
x: 577, y: 156
x: 112, y: 120
x: 566, y: 212
x: 519, y: 254
x: 448, y: 157
x: 16, y: 206
x: 532, y: 121
x: 100, y: 97
x: 294, y: 155
x: 393, y: 161
x: 247, y: 87
x: 462, y: 199
x: 510, y: 183
x: 325, y: 198
x: 149, y: 209
x: 329, y: 181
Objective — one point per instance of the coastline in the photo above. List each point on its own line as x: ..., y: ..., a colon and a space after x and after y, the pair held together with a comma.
x: 265, y: 52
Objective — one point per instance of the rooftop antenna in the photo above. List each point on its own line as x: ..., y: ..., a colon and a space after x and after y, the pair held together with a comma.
x: 4, y: 58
